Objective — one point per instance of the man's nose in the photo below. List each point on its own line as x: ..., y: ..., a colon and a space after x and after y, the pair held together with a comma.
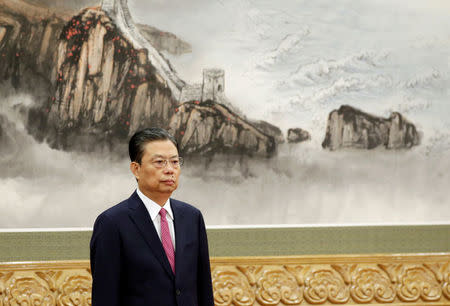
x: 169, y: 168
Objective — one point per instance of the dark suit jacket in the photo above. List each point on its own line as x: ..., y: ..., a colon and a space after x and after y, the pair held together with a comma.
x: 129, y: 265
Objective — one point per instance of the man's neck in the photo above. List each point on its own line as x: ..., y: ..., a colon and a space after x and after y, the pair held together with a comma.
x: 158, y: 198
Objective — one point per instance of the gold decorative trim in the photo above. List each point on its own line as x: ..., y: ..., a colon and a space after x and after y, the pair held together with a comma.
x: 45, y: 283
x: 393, y: 279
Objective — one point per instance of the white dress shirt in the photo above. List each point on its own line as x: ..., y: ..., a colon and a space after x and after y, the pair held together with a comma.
x: 153, y: 210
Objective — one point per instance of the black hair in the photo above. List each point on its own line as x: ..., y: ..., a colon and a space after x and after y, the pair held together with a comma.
x: 141, y: 138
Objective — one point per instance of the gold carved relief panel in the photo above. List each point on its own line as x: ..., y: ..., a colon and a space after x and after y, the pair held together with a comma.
x: 421, y: 279
x: 45, y: 284
x: 333, y: 280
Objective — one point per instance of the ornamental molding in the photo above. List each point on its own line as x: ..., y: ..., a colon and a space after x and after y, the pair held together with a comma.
x: 392, y: 279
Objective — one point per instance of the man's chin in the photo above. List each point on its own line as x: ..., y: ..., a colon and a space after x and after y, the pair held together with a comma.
x: 168, y: 188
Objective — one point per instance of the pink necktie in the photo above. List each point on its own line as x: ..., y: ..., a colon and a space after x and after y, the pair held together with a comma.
x: 166, y: 239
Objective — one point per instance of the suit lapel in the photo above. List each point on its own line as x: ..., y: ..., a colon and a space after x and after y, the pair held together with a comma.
x: 141, y: 218
x: 181, y: 229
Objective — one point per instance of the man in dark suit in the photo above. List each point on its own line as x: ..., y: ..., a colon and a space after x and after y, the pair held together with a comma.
x: 151, y: 249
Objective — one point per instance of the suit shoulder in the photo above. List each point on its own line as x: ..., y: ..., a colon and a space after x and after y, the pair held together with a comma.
x: 116, y: 211
x: 185, y: 206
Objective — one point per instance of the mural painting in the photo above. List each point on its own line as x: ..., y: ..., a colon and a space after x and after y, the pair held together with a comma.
x: 291, y: 112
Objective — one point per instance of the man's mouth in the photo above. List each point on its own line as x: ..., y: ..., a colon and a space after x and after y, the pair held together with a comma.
x: 169, y: 182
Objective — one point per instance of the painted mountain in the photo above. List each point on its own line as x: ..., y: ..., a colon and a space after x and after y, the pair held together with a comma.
x: 292, y: 112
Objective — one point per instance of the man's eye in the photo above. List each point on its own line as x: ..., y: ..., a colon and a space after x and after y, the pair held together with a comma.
x: 175, y: 162
x: 159, y: 162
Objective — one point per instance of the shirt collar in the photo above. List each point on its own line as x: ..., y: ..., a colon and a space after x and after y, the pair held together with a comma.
x: 153, y: 207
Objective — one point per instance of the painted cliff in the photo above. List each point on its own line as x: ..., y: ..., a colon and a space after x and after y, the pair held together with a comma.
x: 207, y: 128
x: 349, y: 127
x: 103, y: 81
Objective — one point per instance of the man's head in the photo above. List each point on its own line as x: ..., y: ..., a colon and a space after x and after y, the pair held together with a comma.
x: 138, y: 141
x: 155, y: 163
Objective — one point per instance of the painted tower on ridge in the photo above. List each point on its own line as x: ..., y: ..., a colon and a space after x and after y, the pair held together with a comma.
x: 213, y: 86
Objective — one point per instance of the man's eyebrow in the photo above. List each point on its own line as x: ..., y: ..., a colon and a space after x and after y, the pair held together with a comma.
x: 162, y: 156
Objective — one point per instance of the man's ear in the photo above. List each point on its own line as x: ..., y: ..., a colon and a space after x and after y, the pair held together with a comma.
x: 134, y: 167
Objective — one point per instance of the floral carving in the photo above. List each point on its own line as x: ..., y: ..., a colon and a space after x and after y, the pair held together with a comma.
x: 446, y: 284
x: 446, y: 288
x: 231, y: 288
x: 49, y: 277
x: 436, y: 268
x: 369, y: 284
x: 298, y: 271
x: 345, y: 271
x: 277, y: 286
x: 417, y: 282
x: 250, y: 272
x: 393, y: 271
x: 4, y: 277
x: 247, y: 281
x: 76, y: 290
x: 322, y: 285
x: 28, y: 291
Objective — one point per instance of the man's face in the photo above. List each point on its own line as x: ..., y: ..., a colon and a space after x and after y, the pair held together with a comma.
x: 155, y: 180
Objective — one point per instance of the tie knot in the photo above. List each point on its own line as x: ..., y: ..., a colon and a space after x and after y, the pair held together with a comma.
x: 163, y: 212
